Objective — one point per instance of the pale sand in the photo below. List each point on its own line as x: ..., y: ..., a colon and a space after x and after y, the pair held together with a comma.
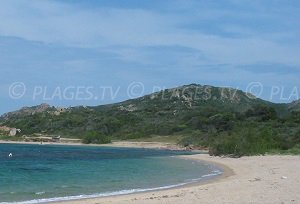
x: 152, y: 145
x: 257, y: 179
x: 126, y: 144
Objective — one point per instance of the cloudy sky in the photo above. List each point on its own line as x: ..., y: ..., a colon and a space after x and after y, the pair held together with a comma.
x: 50, y: 46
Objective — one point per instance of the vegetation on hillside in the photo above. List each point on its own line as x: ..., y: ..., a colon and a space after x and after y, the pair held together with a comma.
x: 95, y: 138
x: 227, y: 121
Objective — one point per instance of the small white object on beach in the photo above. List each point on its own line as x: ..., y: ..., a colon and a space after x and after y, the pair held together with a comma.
x: 10, y: 155
x: 283, y: 177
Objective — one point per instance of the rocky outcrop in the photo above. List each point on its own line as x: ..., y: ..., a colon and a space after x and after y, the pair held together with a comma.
x: 25, y: 111
x: 10, y: 131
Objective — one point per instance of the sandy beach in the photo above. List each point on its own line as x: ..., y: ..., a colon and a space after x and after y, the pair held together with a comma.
x: 125, y: 144
x: 257, y: 179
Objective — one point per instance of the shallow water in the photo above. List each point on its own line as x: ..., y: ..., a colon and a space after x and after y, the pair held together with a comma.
x: 43, y: 173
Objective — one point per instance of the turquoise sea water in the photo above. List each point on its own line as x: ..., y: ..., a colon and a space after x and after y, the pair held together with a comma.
x: 43, y: 173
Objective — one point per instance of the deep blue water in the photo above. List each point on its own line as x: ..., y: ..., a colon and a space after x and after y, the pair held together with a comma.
x: 41, y: 173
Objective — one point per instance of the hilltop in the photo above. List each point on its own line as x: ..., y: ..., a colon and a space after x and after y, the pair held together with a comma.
x: 163, y: 110
x: 198, y: 114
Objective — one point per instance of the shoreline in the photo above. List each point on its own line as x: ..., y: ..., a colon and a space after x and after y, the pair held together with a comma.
x: 123, y: 144
x: 226, y: 172
x: 256, y: 179
x: 95, y: 198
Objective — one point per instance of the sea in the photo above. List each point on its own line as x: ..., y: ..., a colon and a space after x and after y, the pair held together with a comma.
x: 47, y: 173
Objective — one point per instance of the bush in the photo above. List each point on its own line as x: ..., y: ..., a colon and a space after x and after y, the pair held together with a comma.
x: 135, y: 135
x: 196, y: 138
x: 244, y: 142
x: 222, y: 122
x: 262, y: 112
x: 96, y: 138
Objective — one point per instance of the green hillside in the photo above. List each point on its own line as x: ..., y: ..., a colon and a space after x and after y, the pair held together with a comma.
x: 226, y: 120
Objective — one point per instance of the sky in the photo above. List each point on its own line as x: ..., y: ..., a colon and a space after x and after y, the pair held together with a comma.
x: 77, y: 52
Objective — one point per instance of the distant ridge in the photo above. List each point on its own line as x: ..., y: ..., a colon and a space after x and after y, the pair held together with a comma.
x: 158, y: 113
x: 25, y: 111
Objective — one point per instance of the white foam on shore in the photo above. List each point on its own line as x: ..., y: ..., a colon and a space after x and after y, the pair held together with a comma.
x: 122, y: 192
x: 213, y: 173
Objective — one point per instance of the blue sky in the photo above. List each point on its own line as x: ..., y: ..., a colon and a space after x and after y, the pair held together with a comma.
x: 158, y: 43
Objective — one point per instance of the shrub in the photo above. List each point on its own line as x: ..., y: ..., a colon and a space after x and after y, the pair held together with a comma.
x: 262, y: 112
x: 244, y: 142
x: 96, y: 138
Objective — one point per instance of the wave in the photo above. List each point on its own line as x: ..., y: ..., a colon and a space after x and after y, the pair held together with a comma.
x: 115, y: 193
x: 213, y: 173
x: 40, y: 193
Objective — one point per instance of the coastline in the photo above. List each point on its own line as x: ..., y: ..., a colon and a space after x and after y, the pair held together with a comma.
x: 256, y: 179
x: 125, y: 144
x: 226, y: 172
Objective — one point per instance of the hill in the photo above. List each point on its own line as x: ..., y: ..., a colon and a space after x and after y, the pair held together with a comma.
x: 199, y: 114
x: 294, y: 106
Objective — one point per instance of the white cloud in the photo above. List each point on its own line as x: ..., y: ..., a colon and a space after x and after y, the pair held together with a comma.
x: 54, y: 22
x: 129, y: 33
